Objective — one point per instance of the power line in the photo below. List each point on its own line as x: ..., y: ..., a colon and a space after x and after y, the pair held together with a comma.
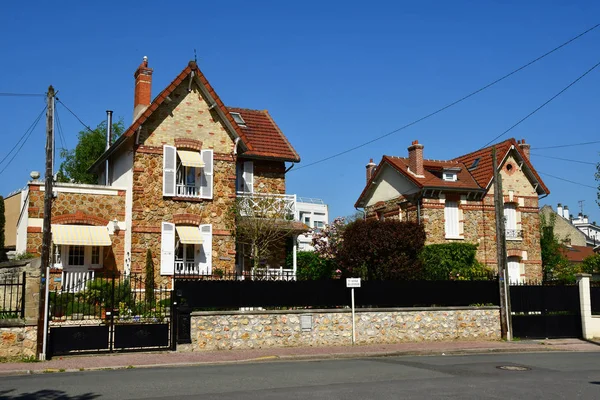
x: 560, y: 146
x: 23, y: 136
x: 564, y: 159
x: 24, y: 140
x: 543, y: 105
x: 4, y: 94
x: 75, y: 115
x: 567, y: 180
x: 450, y: 104
x: 60, y: 131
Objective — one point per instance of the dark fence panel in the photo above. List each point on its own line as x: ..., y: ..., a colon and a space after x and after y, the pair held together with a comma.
x: 231, y: 294
x: 528, y: 298
x: 12, y: 296
x: 595, y: 297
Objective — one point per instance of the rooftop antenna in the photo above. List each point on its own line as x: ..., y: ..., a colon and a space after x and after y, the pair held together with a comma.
x: 581, y: 206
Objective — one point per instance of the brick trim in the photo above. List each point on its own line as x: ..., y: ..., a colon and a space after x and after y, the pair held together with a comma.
x: 221, y: 232
x: 121, y: 192
x: 514, y: 253
x: 188, y: 219
x: 34, y: 188
x: 223, y: 157
x: 34, y: 229
x: 146, y: 229
x: 190, y: 199
x: 138, y: 169
x: 188, y: 144
x: 149, y: 150
x: 79, y: 217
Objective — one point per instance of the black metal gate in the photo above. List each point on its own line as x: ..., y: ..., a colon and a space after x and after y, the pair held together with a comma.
x: 109, y: 313
x: 545, y: 311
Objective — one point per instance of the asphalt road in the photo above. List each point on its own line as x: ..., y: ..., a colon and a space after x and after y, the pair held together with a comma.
x: 548, y: 376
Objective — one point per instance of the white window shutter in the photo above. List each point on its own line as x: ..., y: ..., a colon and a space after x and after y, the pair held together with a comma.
x: 510, y: 216
x: 207, y: 178
x: 167, y: 249
x: 451, y: 218
x: 205, y: 257
x: 169, y: 168
x: 248, y: 176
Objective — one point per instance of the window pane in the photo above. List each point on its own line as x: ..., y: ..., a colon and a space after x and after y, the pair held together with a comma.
x: 451, y: 218
x: 76, y: 255
x: 96, y: 255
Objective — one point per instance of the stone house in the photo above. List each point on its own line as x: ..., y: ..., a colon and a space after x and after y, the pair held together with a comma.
x: 563, y: 229
x: 454, y: 200
x: 168, y: 185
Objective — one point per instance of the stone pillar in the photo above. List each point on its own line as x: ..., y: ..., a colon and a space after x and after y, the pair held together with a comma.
x: 585, y: 304
x: 295, y: 254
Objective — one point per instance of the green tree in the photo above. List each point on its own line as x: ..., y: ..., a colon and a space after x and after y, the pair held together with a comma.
x: 310, y: 266
x: 3, y: 256
x: 554, y: 263
x: 149, y: 282
x: 452, y: 261
x: 90, y: 146
x: 591, y: 264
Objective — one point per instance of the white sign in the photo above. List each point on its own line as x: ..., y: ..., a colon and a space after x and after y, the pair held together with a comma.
x: 352, y: 282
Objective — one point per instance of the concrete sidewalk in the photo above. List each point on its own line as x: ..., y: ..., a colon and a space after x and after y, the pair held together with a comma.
x: 169, y: 359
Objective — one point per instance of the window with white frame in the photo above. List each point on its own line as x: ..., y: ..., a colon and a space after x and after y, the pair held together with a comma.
x: 76, y: 256
x: 187, y: 173
x: 510, y: 222
x: 66, y: 256
x: 245, y: 177
x: 450, y: 176
x: 451, y: 222
x: 189, y: 254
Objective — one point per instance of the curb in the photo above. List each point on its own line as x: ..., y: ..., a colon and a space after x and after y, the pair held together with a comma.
x: 296, y: 357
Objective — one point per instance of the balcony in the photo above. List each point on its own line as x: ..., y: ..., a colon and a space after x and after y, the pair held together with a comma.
x: 514, y: 234
x: 267, y: 205
x: 184, y: 190
x: 189, y: 268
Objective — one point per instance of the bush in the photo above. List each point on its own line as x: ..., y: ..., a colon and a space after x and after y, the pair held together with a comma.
x: 24, y: 256
x: 310, y: 266
x: 381, y: 249
x: 452, y: 261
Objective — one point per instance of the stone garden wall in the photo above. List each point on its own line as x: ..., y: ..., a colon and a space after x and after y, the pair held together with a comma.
x: 259, y: 329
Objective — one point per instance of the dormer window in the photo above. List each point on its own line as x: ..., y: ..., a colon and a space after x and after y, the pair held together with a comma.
x: 450, y: 176
x: 237, y: 117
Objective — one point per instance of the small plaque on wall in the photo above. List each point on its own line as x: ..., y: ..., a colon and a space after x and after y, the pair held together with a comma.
x: 306, y: 322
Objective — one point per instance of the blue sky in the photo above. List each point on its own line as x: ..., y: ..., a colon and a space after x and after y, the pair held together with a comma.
x: 333, y: 74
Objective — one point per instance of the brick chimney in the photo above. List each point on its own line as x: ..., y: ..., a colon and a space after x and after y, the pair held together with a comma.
x: 524, y: 147
x: 143, y: 89
x: 415, y: 158
x: 370, y: 169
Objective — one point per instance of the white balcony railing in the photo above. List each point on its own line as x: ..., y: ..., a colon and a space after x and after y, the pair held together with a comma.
x: 272, y: 274
x: 267, y: 205
x: 186, y: 268
x: 184, y: 190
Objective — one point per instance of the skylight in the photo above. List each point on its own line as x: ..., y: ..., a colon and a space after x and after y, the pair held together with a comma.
x: 238, y: 118
x: 450, y: 176
x: 475, y: 163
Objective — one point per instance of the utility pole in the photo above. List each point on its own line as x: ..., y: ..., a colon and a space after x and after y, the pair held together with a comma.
x: 505, y: 322
x: 47, y: 229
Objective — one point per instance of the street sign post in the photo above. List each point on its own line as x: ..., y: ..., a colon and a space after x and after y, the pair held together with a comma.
x: 353, y: 283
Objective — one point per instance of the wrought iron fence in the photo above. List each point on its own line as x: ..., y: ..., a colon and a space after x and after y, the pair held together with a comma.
x: 12, y: 296
x: 125, y: 298
x: 514, y: 233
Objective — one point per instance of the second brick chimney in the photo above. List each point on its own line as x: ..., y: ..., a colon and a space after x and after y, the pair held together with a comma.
x: 143, y: 89
x: 524, y: 147
x: 415, y: 158
x: 370, y: 169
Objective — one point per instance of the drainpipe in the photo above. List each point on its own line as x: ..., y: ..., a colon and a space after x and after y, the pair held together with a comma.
x: 108, y: 143
x: 419, y: 208
x: 290, y: 167
x: 364, y: 214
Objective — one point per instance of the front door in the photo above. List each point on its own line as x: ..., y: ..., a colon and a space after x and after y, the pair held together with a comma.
x: 514, y: 270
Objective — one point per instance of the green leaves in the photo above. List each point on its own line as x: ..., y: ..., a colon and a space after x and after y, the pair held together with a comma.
x: 452, y: 261
x: 89, y: 148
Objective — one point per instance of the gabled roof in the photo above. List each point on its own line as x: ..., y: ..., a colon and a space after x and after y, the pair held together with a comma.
x: 264, y: 141
x: 264, y: 136
x: 469, y: 178
x: 484, y: 172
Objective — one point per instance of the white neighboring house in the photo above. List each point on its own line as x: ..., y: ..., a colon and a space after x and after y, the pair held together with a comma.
x: 313, y: 213
x: 590, y: 230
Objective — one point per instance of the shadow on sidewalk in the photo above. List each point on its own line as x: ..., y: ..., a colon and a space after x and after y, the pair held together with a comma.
x: 47, y: 394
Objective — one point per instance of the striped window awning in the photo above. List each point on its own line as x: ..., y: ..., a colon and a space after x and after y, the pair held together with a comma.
x: 190, y: 158
x: 80, y: 235
x: 189, y: 234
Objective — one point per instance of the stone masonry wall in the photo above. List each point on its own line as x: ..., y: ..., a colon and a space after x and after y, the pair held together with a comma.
x: 17, y: 340
x: 269, y: 177
x: 259, y: 329
x: 186, y: 117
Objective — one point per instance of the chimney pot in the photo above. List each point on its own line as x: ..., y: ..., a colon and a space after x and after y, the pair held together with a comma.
x: 566, y: 214
x: 415, y: 158
x: 143, y: 88
x: 559, y: 209
x: 370, y: 170
x: 525, y: 148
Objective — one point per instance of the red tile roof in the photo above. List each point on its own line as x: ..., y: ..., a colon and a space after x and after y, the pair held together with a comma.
x: 469, y: 178
x: 269, y: 138
x: 264, y: 135
x: 577, y: 254
x: 485, y: 171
